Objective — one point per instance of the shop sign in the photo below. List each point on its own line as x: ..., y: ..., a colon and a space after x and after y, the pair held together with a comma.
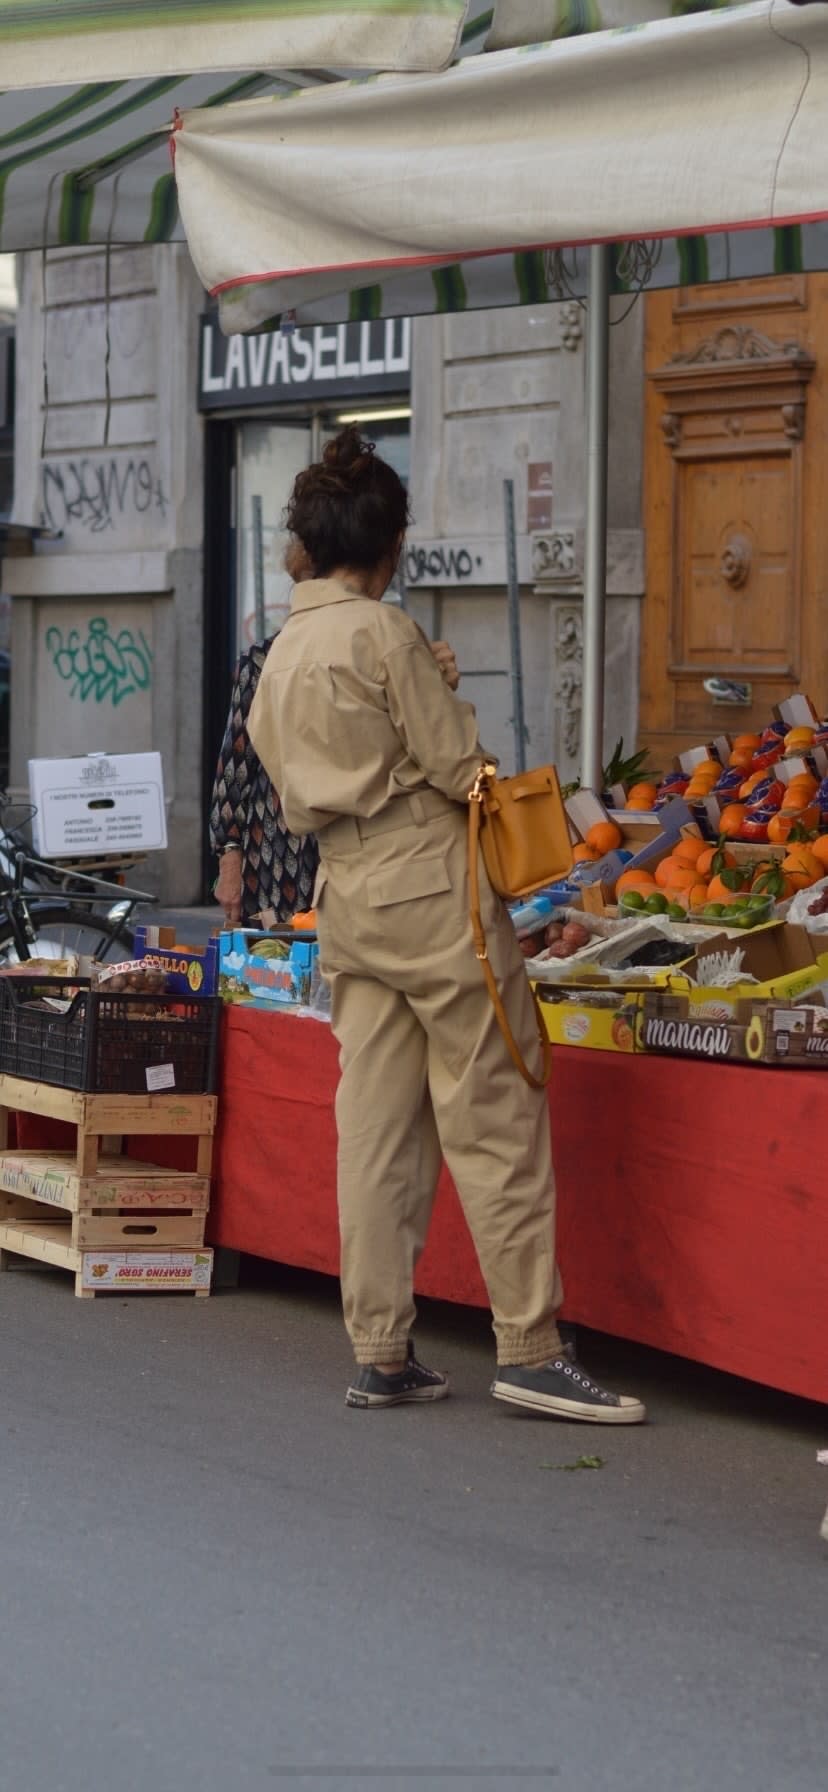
x: 323, y: 361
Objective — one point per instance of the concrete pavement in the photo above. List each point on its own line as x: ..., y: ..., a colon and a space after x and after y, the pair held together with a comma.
x: 214, y: 1576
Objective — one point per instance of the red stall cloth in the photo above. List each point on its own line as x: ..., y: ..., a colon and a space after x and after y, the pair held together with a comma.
x: 275, y: 1189
x: 692, y: 1197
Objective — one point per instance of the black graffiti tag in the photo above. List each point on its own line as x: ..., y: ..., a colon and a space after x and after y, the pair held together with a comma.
x: 437, y: 563
x: 93, y: 493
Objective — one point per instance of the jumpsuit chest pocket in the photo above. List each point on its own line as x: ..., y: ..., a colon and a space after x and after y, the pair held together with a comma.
x: 409, y: 881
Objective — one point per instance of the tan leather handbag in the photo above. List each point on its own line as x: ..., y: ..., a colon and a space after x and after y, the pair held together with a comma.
x: 520, y: 826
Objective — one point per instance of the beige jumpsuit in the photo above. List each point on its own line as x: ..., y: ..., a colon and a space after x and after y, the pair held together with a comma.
x: 370, y: 751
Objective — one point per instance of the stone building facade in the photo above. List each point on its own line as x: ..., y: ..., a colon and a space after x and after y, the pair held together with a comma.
x: 109, y: 618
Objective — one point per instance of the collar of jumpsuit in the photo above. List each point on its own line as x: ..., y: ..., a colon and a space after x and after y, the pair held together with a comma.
x: 315, y: 594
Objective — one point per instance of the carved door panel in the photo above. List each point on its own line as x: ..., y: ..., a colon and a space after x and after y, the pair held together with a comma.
x: 735, y: 477
x: 735, y: 566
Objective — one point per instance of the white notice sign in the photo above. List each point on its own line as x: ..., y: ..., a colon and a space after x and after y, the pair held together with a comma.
x: 100, y: 803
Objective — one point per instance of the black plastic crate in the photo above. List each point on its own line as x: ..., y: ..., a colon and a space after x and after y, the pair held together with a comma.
x: 106, y: 1044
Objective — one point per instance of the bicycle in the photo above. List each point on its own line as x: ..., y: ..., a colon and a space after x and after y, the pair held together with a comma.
x: 37, y: 923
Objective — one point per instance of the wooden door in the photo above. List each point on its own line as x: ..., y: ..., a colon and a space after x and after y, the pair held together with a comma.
x: 736, y: 467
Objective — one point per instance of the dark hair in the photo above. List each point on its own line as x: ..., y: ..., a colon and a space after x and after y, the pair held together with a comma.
x: 349, y: 509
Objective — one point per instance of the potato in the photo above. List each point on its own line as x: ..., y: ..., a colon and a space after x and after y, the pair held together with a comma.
x: 554, y: 932
x: 560, y: 949
x: 531, y: 945
x: 576, y: 935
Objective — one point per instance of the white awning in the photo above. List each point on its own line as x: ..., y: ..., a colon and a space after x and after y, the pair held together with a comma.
x: 47, y: 43
x: 673, y: 128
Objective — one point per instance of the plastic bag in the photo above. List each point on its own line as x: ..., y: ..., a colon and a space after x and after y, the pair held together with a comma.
x: 799, y: 912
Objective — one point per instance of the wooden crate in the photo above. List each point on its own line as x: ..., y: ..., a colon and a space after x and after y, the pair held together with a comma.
x: 119, y: 1184
x: 106, y: 1269
x: 112, y: 1221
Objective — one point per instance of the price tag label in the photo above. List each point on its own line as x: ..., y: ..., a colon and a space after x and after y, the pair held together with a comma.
x: 160, y: 1076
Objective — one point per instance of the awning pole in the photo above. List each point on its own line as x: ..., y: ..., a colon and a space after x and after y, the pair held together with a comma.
x: 595, y: 544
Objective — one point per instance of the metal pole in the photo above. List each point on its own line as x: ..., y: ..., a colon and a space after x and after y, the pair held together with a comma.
x: 258, y: 569
x: 595, y: 546
x: 514, y: 626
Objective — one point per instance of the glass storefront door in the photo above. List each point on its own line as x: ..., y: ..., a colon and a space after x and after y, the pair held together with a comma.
x: 268, y: 457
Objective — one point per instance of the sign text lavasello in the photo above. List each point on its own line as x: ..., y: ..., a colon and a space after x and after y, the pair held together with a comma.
x: 323, y: 361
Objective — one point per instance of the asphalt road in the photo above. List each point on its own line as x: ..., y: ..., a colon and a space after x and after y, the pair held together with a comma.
x: 214, y: 1576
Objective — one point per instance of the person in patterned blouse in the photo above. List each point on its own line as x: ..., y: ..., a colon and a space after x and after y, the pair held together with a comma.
x: 262, y: 865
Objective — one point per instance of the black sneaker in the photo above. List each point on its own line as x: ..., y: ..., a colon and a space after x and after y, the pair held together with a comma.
x: 564, y: 1390
x: 373, y: 1388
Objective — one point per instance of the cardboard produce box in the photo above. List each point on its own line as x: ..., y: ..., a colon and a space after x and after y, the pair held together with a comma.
x: 649, y: 837
x: 598, y: 1021
x: 265, y: 969
x: 191, y: 970
x: 752, y: 1031
x: 779, y: 1019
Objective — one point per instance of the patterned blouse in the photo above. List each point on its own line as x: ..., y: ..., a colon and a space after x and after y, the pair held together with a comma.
x: 278, y: 868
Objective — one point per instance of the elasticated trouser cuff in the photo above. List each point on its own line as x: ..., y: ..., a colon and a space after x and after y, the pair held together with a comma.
x: 528, y: 1349
x: 381, y: 1350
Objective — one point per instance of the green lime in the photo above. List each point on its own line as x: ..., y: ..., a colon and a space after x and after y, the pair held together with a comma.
x: 743, y: 920
x: 675, y: 912
x: 632, y: 899
x: 739, y: 904
x: 657, y: 904
x: 713, y: 911
x: 758, y: 902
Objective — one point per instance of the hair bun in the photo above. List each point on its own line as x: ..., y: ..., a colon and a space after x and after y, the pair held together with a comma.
x: 349, y: 455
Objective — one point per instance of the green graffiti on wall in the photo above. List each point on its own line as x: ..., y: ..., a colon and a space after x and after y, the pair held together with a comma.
x: 104, y: 665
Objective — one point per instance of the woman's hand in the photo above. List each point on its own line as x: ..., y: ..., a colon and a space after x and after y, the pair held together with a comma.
x: 228, y: 887
x: 447, y: 663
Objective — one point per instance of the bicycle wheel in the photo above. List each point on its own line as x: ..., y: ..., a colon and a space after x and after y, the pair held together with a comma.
x: 61, y: 930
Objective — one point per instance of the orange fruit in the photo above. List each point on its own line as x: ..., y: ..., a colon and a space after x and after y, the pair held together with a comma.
x: 797, y: 740
x: 741, y: 756
x: 585, y: 855
x: 635, y: 880
x: 779, y: 828
x: 747, y: 740
x: 803, y: 781
x: 664, y: 872
x: 603, y: 837
x: 730, y: 820
x: 719, y: 892
x: 681, y: 877
x: 688, y: 852
x: 747, y: 789
x: 819, y: 848
x: 803, y: 817
x: 697, y: 896
x: 704, y: 863
x: 708, y: 771
x: 801, y: 866
x: 642, y: 796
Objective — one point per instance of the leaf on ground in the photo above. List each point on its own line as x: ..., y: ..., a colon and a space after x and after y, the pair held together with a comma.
x: 570, y: 1468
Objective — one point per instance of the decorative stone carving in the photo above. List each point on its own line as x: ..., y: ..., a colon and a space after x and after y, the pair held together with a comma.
x: 736, y: 342
x: 569, y: 681
x: 737, y: 387
x: 735, y: 562
x: 572, y: 324
x: 553, y: 557
x: 793, y: 418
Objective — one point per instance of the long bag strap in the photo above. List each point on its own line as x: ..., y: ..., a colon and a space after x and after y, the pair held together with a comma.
x: 482, y: 952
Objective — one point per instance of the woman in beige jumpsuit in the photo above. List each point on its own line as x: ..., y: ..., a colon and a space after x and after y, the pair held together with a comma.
x: 371, y: 753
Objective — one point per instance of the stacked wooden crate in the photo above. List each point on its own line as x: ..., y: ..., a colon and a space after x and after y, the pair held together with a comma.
x: 116, y: 1222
